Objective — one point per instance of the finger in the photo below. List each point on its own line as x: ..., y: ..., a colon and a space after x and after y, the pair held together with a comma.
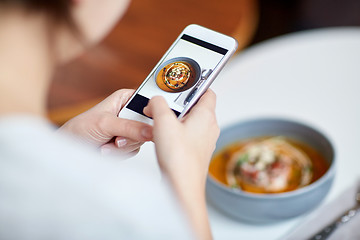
x: 165, y: 120
x: 114, y: 126
x: 116, y: 101
x: 122, y: 142
x: 208, y: 101
x: 112, y: 149
x: 159, y: 110
x: 133, y: 153
x: 203, y: 111
x: 128, y: 149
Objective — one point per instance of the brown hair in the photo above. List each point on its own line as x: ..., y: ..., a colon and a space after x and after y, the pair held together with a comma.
x: 57, y: 10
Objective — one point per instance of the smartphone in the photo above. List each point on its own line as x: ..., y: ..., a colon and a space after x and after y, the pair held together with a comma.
x: 184, y: 73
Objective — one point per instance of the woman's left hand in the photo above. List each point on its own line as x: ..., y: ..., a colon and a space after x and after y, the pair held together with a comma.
x: 101, y: 126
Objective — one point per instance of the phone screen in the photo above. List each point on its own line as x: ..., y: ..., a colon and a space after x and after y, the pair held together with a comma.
x: 178, y: 73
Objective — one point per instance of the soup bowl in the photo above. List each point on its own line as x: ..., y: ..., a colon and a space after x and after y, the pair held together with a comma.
x: 195, y: 72
x: 262, y: 207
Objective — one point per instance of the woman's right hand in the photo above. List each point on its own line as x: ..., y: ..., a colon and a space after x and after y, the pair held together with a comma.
x: 184, y: 148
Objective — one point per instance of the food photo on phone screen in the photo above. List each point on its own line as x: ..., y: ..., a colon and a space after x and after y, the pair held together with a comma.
x: 180, y: 74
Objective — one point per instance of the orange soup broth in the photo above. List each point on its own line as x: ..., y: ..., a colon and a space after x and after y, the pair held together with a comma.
x: 217, y: 168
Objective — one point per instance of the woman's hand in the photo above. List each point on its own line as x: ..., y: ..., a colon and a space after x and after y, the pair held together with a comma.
x: 184, y: 149
x: 101, y: 126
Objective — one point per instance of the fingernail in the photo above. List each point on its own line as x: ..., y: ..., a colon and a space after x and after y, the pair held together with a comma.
x: 147, y: 133
x: 121, y: 142
x: 145, y: 110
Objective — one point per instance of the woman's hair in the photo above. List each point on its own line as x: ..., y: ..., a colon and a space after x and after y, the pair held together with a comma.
x: 59, y: 11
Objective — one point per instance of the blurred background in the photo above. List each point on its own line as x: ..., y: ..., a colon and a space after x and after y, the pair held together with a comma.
x: 127, y: 55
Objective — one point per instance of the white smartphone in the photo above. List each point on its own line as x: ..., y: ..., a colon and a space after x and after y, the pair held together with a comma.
x: 184, y: 73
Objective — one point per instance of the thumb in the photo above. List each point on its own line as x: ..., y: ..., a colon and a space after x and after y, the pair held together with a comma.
x: 159, y: 110
x: 115, y: 101
x: 115, y: 126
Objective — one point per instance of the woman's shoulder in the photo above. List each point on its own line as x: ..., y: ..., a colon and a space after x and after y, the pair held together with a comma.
x: 32, y: 137
x: 53, y: 173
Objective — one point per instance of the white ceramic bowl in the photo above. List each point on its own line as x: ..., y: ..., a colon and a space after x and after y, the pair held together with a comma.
x: 279, y: 206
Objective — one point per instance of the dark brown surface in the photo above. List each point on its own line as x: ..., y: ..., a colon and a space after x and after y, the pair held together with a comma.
x: 278, y: 17
x: 125, y: 57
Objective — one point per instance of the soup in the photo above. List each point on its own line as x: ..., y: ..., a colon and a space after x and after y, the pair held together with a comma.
x: 176, y: 75
x: 271, y: 164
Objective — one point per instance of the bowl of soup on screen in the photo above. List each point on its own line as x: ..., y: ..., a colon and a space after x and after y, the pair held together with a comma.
x: 266, y: 170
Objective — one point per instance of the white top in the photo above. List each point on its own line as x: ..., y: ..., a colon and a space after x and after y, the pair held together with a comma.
x: 52, y: 187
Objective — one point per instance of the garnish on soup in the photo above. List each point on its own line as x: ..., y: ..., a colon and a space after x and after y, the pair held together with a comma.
x: 176, y: 75
x: 268, y: 165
